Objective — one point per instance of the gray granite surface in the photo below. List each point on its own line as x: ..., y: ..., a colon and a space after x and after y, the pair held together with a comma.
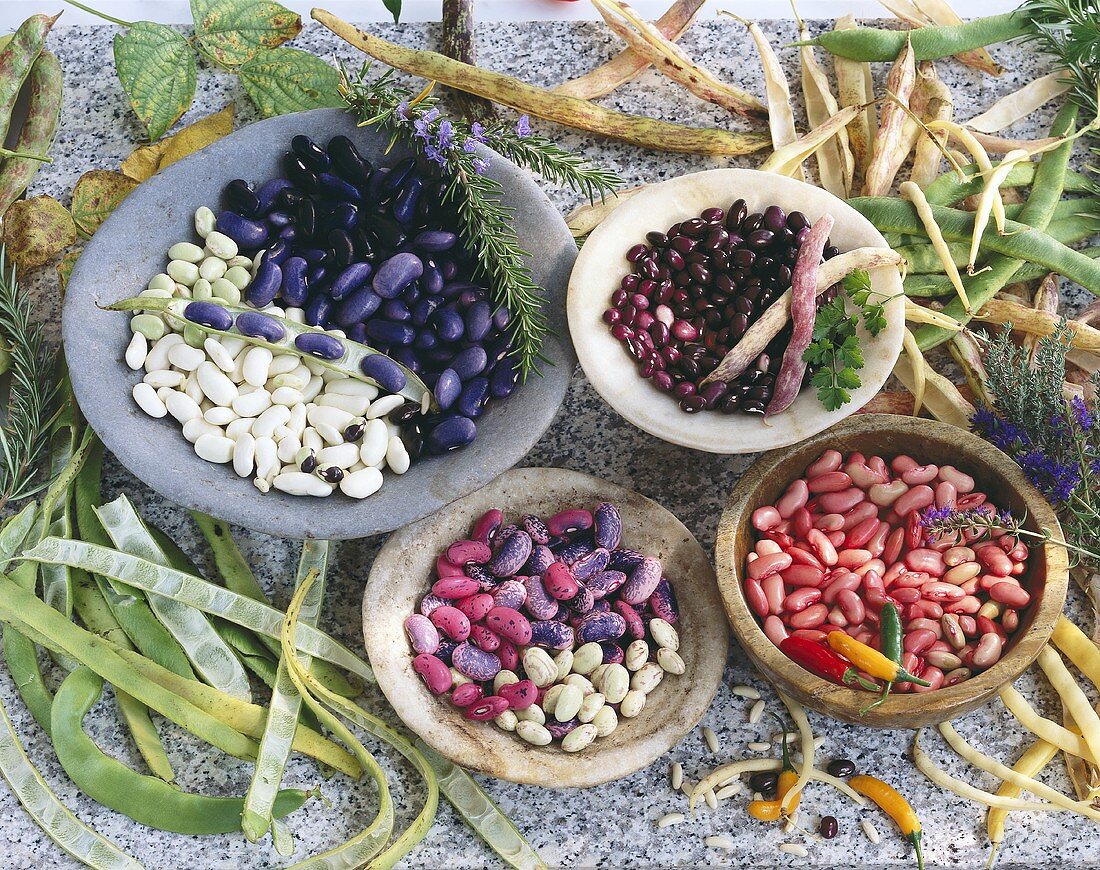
x: 613, y: 826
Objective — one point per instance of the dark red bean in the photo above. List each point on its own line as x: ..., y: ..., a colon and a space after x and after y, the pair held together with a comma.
x: 828, y: 827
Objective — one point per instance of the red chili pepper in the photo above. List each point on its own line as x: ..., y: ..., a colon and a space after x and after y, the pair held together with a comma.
x: 821, y: 660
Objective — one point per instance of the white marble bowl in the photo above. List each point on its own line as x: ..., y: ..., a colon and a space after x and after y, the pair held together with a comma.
x: 602, y: 263
x: 402, y: 574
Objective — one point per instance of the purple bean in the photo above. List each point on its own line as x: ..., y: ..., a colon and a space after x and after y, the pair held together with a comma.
x: 345, y: 215
x: 279, y: 219
x: 396, y: 310
x: 501, y: 318
x: 608, y: 525
x: 348, y: 161
x: 539, y: 603
x: 396, y: 274
x: 477, y: 664
x: 276, y: 253
x: 209, y: 314
x: 541, y: 559
x: 643, y: 580
x: 598, y: 627
x: 558, y: 730
x: 385, y: 372
x: 591, y: 564
x: 663, y: 602
x: 423, y: 635
x: 350, y: 280
x: 317, y: 310
x: 423, y: 310
x: 256, y: 325
x: 310, y: 153
x: 473, y: 398
x: 624, y: 559
x: 269, y: 191
x: 398, y: 173
x: 249, y: 234
x: 511, y: 593
x: 294, y: 290
x: 551, y: 633
x: 447, y: 388
x: 390, y: 333
x: 432, y: 279
x: 404, y: 204
x: 435, y: 241
x: 359, y: 306
x: 449, y: 324
x: 503, y: 380
x: 605, y: 583
x: 265, y: 286
x: 450, y: 434
x: 612, y: 653
x: 432, y: 602
x: 512, y: 555
x: 319, y: 345
x: 569, y: 521
x: 479, y: 320
x: 485, y: 579
x: 242, y: 197
x: 574, y: 551
x: 338, y: 187
x: 536, y: 528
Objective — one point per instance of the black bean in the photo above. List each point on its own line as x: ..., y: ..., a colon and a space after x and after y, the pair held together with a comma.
x: 828, y: 827
x: 736, y: 213
x: 310, y: 153
x: 242, y: 198
x: 841, y: 767
x: 765, y: 782
x: 348, y: 161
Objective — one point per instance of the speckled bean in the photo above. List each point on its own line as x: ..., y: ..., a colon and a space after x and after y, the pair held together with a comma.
x: 552, y: 634
x: 461, y: 552
x: 540, y: 604
x: 569, y: 521
x: 423, y: 635
x: 512, y: 555
x: 642, y: 581
x: 434, y: 672
x: 451, y: 621
x: 477, y: 664
x: 511, y: 593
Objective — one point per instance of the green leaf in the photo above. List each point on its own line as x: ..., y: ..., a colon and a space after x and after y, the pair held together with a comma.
x: 284, y: 80
x: 36, y: 230
x: 96, y: 195
x: 231, y: 32
x: 157, y: 69
x: 394, y: 6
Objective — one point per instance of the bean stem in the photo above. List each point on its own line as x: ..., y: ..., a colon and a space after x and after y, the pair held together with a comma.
x: 458, y: 44
x: 99, y: 14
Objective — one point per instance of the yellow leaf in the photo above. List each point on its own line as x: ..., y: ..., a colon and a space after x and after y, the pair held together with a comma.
x: 96, y: 195
x: 36, y: 230
x: 147, y: 160
x: 65, y: 268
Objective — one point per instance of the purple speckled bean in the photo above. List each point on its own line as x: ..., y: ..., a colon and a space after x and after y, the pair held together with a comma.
x: 575, y: 551
x: 605, y: 583
x: 552, y: 634
x: 477, y: 664
x: 558, y: 730
x: 486, y: 526
x: 536, y: 528
x: 502, y: 535
x: 512, y: 556
x: 591, y: 564
x: 663, y: 602
x: 624, y: 559
x: 602, y: 604
x: 583, y: 601
x: 486, y: 581
x: 509, y: 623
x: 608, y: 525
x: 635, y: 625
x: 643, y: 580
x: 461, y: 552
x: 565, y: 522
x: 434, y: 672
x: 599, y: 627
x: 612, y: 653
x: 451, y: 621
x: 541, y: 559
x: 446, y: 648
x: 511, y: 593
x: 432, y: 602
x: 539, y: 603
x: 423, y: 636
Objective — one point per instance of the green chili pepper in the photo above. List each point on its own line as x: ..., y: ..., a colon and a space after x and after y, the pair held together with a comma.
x: 889, y: 641
x: 145, y: 799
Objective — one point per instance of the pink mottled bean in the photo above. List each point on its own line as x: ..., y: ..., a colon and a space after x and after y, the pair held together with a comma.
x: 461, y: 552
x: 987, y: 652
x: 774, y: 591
x: 455, y: 587
x: 837, y: 618
x: 452, y: 622
x: 852, y: 558
x: 946, y: 660
x: 920, y: 474
x: 423, y: 635
x: 836, y: 539
x: 801, y: 556
x: 812, y: 617
x: 775, y: 630
x: 567, y: 521
x: 963, y: 483
x: 435, y: 674
x: 851, y: 605
x: 485, y: 527
x: 928, y: 609
x: 935, y: 678
x: 509, y: 624
x: 912, y: 663
x: 823, y: 547
x: 910, y: 580
x: 861, y: 533
x: 988, y: 581
x: 764, y: 547
x: 828, y: 461
x: 970, y: 587
x: 918, y: 498
x: 918, y: 641
x: 765, y: 518
x: 1010, y: 620
x: 476, y: 606
x: 795, y: 497
x: 562, y: 585
x: 862, y: 511
x: 956, y: 676
x: 833, y: 481
x: 811, y: 634
x: 945, y: 593
x: 843, y: 581
x: 894, y: 544
x: 967, y: 604
x: 962, y: 572
x: 924, y: 559
x: 946, y: 494
x: 755, y: 597
x: 508, y: 655
x: 765, y: 566
x: 444, y: 568
x: 994, y: 560
x: 467, y: 694
x: 801, y: 598
x: 840, y: 502
x: 1010, y: 595
x: 803, y: 575
x: 876, y: 565
x: 923, y: 622
x: 484, y: 639
x: 952, y: 630
x: 902, y: 463
x: 968, y: 624
x: 829, y: 522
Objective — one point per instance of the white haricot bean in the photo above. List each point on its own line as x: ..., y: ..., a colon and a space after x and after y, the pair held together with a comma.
x: 605, y: 721
x: 238, y: 427
x: 225, y: 290
x: 381, y: 407
x: 632, y: 704
x: 592, y: 705
x: 270, y: 420
x: 148, y: 400
x: 756, y: 712
x: 185, y: 357
x: 185, y: 251
x: 664, y: 634
x: 311, y: 439
x: 397, y: 457
x: 242, y: 261
x: 158, y: 353
x: 284, y: 364
x: 192, y: 389
x: 647, y: 678
x: 214, y: 448
x: 288, y: 396
x: 670, y: 661
x: 719, y: 842
x: 507, y: 720
x: 136, y: 351
x: 586, y: 658
x: 759, y: 747
x: 218, y: 354
x: 215, y: 385
x: 533, y: 733
x: 362, y: 483
x: 356, y: 405
x: 195, y: 429
x: 297, y: 421
x: 183, y: 407
x: 636, y: 655
x: 313, y: 388
x: 267, y: 457
x: 710, y: 738
x: 296, y: 315
x: 539, y: 667
x: 244, y: 455
x: 252, y: 404
x: 300, y: 483
x: 793, y: 849
x: 257, y: 364
x: 238, y: 276
x: 212, y: 268
x: 183, y: 272
x: 219, y: 244
x: 164, y: 378
x: 372, y: 448
x: 579, y: 738
x: 162, y: 282
x: 352, y: 387
x: 219, y: 416
x: 288, y: 449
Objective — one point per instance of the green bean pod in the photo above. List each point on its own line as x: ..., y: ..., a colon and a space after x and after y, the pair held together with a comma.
x: 949, y: 189
x: 929, y: 43
x: 934, y: 286
x: 145, y: 799
x: 16, y: 61
x: 36, y: 135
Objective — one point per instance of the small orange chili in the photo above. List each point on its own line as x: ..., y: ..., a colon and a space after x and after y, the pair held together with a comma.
x: 772, y: 811
x: 895, y: 806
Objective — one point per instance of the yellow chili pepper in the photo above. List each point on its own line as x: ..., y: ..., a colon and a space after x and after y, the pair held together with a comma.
x: 871, y: 660
x: 772, y: 811
x: 895, y: 806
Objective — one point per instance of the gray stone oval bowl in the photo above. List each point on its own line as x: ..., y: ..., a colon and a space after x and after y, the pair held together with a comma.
x: 131, y: 247
x: 402, y: 574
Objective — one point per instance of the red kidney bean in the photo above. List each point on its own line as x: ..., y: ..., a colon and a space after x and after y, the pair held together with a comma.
x: 812, y: 617
x: 801, y: 523
x: 902, y: 463
x: 780, y: 536
x: 910, y: 580
x: 946, y: 495
x: 919, y: 641
x: 861, y: 533
x: 914, y: 531
x: 956, y: 676
x: 935, y: 678
x: 862, y: 511
x: 445, y: 568
x: 803, y: 575
x: 968, y: 624
x: 863, y: 475
x: 802, y: 556
x: 828, y: 461
x: 836, y: 539
x: 837, y: 618
x: 755, y: 597
x: 764, y: 547
x: 841, y: 502
x: 967, y: 604
x: 927, y: 609
x: 1018, y: 553
x: 765, y: 518
x: 833, y: 481
x: 811, y: 634
x: 908, y: 595
x: 937, y: 590
x: 924, y: 559
x: 988, y: 581
x: 838, y: 583
x: 894, y: 543
x: 922, y: 622
x: 1010, y: 595
x: 912, y: 663
x: 878, y: 465
x: 795, y: 497
x: 963, y: 483
x: 775, y: 630
x: 885, y: 494
x: 990, y: 610
x: 851, y: 605
x: 852, y: 558
x: 822, y: 546
x: 876, y: 565
x: 988, y: 626
x: 987, y: 652
x: 920, y: 474
x: 994, y: 560
x: 1010, y: 620
x: 801, y: 598
x: 774, y: 592
x: 970, y: 587
x: 765, y: 566
x: 971, y: 501
x: 829, y: 522
x: 918, y: 498
x: 875, y: 591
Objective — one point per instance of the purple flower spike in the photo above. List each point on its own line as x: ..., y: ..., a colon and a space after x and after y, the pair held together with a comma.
x: 523, y: 127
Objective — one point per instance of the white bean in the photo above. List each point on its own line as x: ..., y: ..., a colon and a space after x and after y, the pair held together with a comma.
x: 352, y: 387
x: 670, y: 819
x: 244, y: 455
x: 756, y: 712
x: 195, y: 429
x: 214, y: 448
x: 185, y: 357
x: 720, y: 843
x: 270, y: 420
x: 311, y: 439
x: 218, y: 354
x: 215, y: 385
x: 295, y: 315
x: 205, y: 221
x: 148, y: 400
x: 341, y: 455
x: 363, y: 483
x: 397, y: 457
x: 185, y: 251
x: 212, y: 268
x: 267, y: 457
x: 746, y: 692
x: 710, y: 738
x: 238, y: 276
x: 793, y: 849
x: 183, y: 407
x: 288, y: 448
x: 220, y: 245
x: 676, y: 775
x: 183, y: 272
x: 871, y: 831
x: 164, y: 378
x: 219, y: 416
x: 162, y: 282
x: 239, y: 427
x: 193, y: 390
x: 252, y: 404
x: 239, y: 260
x: 297, y: 421
x: 381, y: 407
x: 136, y: 351
x: 356, y: 405
x: 313, y: 388
x: 375, y: 443
x: 288, y: 396
x: 158, y: 353
x: 257, y: 363
x: 332, y: 417
x: 300, y: 483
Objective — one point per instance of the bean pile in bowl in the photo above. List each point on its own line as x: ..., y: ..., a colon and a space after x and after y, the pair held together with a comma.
x: 856, y: 577
x: 550, y: 629
x: 324, y: 328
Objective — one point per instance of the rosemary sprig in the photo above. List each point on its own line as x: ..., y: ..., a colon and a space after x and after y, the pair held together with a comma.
x: 477, y: 199
x: 33, y: 393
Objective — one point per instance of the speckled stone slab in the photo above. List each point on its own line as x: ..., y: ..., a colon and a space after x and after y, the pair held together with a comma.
x: 612, y: 826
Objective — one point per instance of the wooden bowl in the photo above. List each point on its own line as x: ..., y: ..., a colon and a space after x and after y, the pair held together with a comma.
x: 402, y: 574
x: 1047, y: 577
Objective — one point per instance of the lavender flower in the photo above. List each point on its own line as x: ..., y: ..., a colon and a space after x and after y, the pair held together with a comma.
x: 1056, y: 480
x: 477, y: 130
x: 523, y: 127
x: 480, y: 166
x: 1081, y: 413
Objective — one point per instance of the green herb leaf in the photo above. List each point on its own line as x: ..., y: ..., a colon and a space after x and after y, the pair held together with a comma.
x: 96, y: 195
x: 284, y: 80
x: 394, y: 6
x: 231, y: 32
x: 157, y: 69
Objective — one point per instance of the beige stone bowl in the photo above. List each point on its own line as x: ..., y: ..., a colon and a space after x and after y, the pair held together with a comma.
x: 602, y: 263
x: 887, y: 435
x: 402, y: 575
